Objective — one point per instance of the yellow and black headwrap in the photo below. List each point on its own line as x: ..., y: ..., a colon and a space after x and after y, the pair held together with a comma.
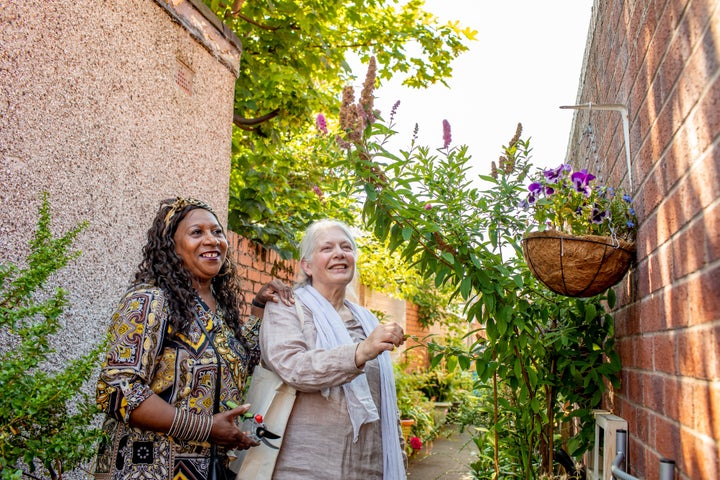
x: 179, y: 204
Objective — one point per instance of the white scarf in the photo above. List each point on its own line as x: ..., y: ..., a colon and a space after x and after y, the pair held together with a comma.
x: 331, y: 333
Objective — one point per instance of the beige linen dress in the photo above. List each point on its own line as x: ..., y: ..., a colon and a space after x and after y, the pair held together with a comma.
x: 318, y: 441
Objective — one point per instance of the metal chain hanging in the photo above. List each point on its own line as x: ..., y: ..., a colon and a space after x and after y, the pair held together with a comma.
x: 587, y: 147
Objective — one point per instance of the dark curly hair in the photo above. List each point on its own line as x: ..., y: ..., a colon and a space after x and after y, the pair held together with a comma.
x: 162, y: 267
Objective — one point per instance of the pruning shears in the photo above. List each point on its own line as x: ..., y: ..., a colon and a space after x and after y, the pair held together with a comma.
x: 258, y: 430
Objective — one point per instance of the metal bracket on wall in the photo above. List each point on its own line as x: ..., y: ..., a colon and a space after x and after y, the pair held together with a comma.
x: 617, y: 107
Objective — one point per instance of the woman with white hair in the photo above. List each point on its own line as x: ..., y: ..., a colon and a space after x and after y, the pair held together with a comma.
x: 344, y: 423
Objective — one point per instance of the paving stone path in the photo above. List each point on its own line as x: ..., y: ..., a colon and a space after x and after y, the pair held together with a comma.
x: 448, y: 458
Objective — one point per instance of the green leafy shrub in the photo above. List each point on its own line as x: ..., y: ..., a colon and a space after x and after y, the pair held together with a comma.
x: 414, y: 405
x: 437, y: 384
x: 44, y: 421
x: 544, y: 358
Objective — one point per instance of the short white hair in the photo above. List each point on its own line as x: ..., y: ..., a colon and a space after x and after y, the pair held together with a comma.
x: 310, y: 240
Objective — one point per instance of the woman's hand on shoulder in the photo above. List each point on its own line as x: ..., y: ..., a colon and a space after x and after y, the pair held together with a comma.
x: 274, y: 291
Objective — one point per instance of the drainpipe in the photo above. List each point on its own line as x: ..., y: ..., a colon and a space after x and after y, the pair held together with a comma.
x: 667, y: 467
x: 620, y: 458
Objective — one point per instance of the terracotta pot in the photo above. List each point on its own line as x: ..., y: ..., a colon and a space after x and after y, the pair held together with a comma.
x: 577, y: 266
x: 406, y: 425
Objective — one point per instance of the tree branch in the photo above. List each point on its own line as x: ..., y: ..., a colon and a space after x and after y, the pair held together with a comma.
x: 237, y: 5
x: 244, y: 123
x: 253, y: 22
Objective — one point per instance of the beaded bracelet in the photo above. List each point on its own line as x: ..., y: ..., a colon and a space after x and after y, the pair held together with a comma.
x: 190, y: 426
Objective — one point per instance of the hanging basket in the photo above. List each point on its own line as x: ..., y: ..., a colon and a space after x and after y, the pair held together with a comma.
x: 577, y: 266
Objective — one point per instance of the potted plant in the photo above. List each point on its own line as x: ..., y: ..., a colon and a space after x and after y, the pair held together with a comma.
x: 584, y: 236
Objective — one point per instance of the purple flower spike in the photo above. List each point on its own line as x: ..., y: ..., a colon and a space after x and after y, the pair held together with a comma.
x: 447, y: 137
x: 552, y: 175
x: 321, y: 124
x: 393, y: 110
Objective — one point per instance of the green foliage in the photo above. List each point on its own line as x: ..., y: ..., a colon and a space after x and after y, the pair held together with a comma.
x: 43, y: 418
x: 385, y: 271
x: 413, y: 404
x: 294, y: 67
x: 274, y: 198
x: 417, y: 392
x: 438, y: 384
x: 575, y: 203
x: 543, y: 357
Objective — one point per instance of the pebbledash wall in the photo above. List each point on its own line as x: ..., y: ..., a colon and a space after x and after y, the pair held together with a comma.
x: 661, y: 59
x: 109, y: 107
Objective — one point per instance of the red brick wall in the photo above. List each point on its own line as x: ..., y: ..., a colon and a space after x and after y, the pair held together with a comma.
x: 257, y: 265
x: 416, y: 358
x: 662, y: 60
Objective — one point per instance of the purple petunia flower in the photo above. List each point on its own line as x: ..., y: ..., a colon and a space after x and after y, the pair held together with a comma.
x: 581, y: 180
x: 535, y: 188
x: 552, y: 175
x: 598, y: 215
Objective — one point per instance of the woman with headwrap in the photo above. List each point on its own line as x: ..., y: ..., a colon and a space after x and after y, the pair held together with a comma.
x: 179, y: 352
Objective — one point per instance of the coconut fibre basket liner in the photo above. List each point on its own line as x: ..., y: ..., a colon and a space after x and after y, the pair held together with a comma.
x: 577, y: 266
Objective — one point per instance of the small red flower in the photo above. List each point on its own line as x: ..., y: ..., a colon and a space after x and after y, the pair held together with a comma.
x: 415, y: 443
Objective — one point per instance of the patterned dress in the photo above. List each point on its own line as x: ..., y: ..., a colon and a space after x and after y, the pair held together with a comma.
x: 148, y: 356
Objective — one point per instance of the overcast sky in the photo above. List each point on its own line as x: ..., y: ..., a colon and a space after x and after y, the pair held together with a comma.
x: 525, y: 64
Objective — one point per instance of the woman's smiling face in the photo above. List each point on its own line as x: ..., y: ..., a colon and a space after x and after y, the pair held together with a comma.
x: 332, y: 263
x: 201, y: 243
